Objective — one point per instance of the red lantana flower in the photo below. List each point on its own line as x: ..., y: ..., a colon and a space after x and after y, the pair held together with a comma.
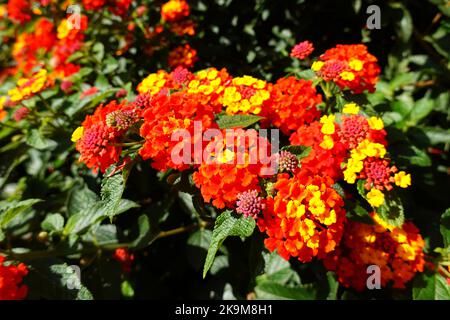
x: 11, y: 277
x: 305, y: 218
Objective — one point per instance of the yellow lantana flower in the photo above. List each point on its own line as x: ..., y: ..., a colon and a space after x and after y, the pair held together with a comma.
x: 328, y: 124
x: 351, y: 108
x: 355, y: 64
x: 317, y: 65
x: 348, y: 76
x: 402, y: 179
x: 77, y: 134
x: 375, y: 197
x: 375, y: 123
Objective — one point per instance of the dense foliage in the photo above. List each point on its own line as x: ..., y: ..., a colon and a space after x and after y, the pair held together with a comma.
x: 99, y: 201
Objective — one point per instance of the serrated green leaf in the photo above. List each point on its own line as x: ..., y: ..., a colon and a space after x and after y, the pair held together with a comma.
x: 227, y: 224
x: 237, y: 121
x: 300, y: 151
x: 111, y: 192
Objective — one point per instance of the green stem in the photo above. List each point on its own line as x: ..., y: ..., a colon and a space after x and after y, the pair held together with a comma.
x: 110, y: 247
x: 46, y: 103
x: 326, y: 90
x: 444, y: 271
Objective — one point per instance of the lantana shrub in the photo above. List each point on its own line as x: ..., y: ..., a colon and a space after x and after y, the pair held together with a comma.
x: 103, y: 154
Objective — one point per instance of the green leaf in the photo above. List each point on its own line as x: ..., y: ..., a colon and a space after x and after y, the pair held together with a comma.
x: 127, y: 289
x: 82, y: 221
x: 147, y: 234
x: 197, y: 247
x: 333, y: 286
x: 430, y: 287
x: 111, y: 192
x: 300, y: 151
x: 53, y: 222
x: 88, y: 102
x: 105, y: 234
x: 356, y: 212
x: 445, y: 227
x: 35, y: 139
x: 9, y: 161
x: 306, y: 74
x: 278, y: 270
x: 420, y: 158
x: 52, y: 279
x: 99, y: 51
x: 111, y: 64
x: 404, y: 24
x: 10, y: 209
x: 237, y: 121
x: 270, y: 290
x: 79, y: 199
x: 392, y: 210
x: 401, y: 80
x: 436, y: 135
x: 227, y: 224
x: 422, y: 108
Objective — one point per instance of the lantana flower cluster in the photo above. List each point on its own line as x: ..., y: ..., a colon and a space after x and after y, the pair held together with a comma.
x: 11, y: 277
x: 396, y: 251
x: 296, y: 204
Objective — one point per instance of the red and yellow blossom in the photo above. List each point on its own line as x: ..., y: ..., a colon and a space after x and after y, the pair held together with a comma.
x: 236, y: 168
x: 210, y: 84
x: 154, y: 83
x: 11, y: 276
x: 93, y: 4
x: 28, y: 87
x: 167, y: 115
x: 28, y: 47
x: 292, y: 104
x: 70, y: 40
x: 184, y: 27
x: 182, y: 56
x: 245, y: 95
x: 397, y: 251
x: 327, y: 152
x: 19, y: 11
x: 349, y: 66
x: 118, y: 7
x: 305, y: 219
x: 3, y: 99
x: 97, y: 138
x: 174, y: 10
